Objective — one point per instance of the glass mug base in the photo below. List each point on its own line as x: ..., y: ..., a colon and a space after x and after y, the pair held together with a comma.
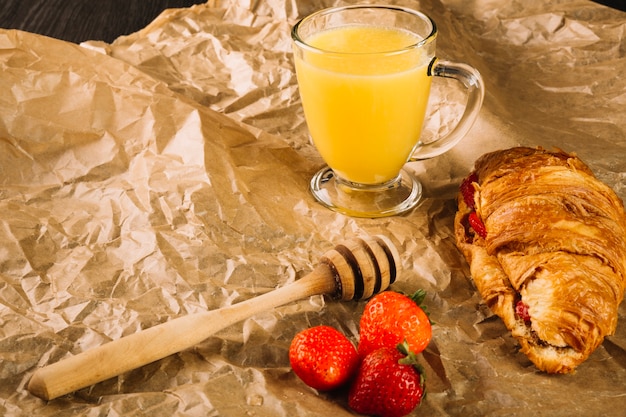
x: 357, y: 200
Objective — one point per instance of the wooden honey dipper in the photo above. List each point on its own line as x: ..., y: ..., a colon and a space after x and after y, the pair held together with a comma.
x: 353, y: 270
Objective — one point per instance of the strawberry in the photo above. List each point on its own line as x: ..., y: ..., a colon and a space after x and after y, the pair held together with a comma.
x: 323, y: 357
x: 391, y: 318
x: 467, y: 190
x: 389, y: 383
x: 477, y: 224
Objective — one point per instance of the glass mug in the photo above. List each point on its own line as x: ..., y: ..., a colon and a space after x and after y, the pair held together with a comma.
x: 364, y: 74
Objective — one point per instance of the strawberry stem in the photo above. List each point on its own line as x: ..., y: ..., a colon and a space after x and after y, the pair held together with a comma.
x: 411, y: 359
x: 418, y: 297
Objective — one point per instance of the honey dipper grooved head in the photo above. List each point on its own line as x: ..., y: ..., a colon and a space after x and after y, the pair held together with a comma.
x: 363, y: 267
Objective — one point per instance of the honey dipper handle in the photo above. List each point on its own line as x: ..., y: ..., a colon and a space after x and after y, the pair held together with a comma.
x: 133, y: 351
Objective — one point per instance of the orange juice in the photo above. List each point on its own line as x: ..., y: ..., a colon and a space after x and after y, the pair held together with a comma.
x: 364, y: 99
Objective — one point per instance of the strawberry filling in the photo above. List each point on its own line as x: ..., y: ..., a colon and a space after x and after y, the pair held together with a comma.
x: 467, y: 190
x: 477, y: 224
x: 521, y: 310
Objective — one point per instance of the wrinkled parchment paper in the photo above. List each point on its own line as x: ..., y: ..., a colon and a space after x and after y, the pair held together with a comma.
x: 167, y: 174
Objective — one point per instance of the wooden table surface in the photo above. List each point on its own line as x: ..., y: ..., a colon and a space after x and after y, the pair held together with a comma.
x: 82, y: 20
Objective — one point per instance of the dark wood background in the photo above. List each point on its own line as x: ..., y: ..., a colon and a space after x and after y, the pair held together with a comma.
x: 82, y: 20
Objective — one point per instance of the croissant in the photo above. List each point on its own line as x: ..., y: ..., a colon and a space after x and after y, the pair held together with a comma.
x: 546, y: 245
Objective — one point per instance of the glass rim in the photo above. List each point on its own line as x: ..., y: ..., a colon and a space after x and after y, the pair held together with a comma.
x: 295, y: 35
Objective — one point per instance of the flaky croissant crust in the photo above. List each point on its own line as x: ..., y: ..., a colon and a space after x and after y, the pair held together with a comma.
x: 556, y: 240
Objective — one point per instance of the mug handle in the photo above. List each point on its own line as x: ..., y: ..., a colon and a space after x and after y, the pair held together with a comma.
x: 473, y: 82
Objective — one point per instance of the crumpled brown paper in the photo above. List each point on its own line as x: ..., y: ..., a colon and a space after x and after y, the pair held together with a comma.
x: 167, y: 173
